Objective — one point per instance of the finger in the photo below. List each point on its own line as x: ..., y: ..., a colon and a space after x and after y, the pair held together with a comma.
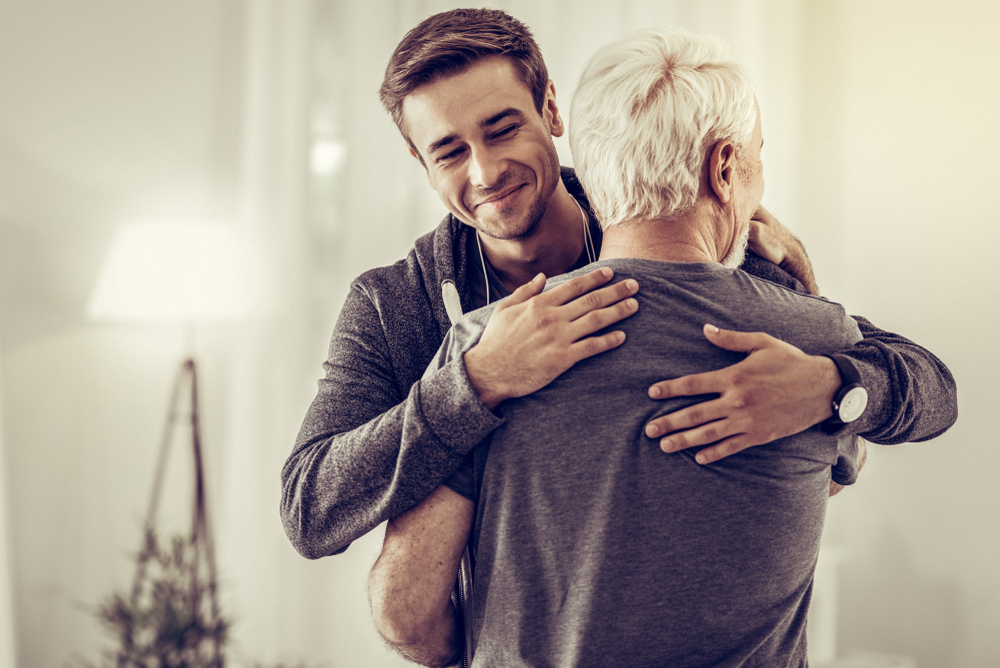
x: 723, y: 449
x: 709, y: 382
x: 687, y: 418
x: 706, y: 434
x: 581, y: 285
x: 744, y: 342
x: 763, y: 215
x: 598, y: 299
x: 524, y: 293
x: 594, y: 345
x: 601, y: 318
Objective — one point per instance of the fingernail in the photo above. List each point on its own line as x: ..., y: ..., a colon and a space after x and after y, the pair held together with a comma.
x: 632, y: 284
x: 607, y: 272
x: 632, y: 304
x: 667, y: 445
x: 654, y: 393
x: 652, y: 431
x: 712, y: 328
x: 701, y: 459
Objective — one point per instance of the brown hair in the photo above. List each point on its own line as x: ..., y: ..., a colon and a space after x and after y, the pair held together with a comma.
x: 451, y: 41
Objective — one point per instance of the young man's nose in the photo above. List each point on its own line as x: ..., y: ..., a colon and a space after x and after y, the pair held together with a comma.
x: 485, y: 168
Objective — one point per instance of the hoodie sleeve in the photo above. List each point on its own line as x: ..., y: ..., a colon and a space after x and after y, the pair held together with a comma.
x: 370, y: 449
x: 911, y: 393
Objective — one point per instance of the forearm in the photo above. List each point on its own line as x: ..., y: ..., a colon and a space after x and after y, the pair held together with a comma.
x: 911, y: 393
x: 410, y: 584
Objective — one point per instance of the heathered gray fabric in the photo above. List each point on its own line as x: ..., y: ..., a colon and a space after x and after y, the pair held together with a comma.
x: 378, y: 438
x: 594, y: 548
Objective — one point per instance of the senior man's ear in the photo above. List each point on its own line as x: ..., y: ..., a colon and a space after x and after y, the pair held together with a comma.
x: 722, y: 170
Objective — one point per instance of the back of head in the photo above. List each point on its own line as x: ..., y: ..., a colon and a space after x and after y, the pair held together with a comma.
x: 644, y: 116
x: 451, y: 41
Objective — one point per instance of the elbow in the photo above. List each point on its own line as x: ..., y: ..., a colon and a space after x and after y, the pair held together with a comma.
x: 399, y: 618
x: 296, y: 523
x: 303, y: 540
x: 418, y: 632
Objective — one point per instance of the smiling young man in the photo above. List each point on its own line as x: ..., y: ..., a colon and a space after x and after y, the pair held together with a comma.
x: 469, y: 92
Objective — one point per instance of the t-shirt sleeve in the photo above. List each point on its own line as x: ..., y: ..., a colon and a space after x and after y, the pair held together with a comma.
x: 463, y: 480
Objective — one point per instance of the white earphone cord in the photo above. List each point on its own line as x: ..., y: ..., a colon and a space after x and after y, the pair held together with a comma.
x: 588, y: 243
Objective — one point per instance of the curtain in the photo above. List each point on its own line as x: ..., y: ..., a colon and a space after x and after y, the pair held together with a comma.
x: 7, y: 635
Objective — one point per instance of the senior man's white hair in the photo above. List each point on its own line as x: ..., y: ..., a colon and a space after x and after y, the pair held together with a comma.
x: 646, y: 113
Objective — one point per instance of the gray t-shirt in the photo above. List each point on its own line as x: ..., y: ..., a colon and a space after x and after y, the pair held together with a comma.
x: 595, y: 548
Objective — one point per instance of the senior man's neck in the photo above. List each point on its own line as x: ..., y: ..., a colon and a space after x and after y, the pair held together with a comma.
x: 696, y: 236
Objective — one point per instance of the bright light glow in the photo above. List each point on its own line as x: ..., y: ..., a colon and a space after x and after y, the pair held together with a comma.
x: 180, y: 271
x: 327, y: 156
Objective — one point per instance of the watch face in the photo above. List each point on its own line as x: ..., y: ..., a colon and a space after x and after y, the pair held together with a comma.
x: 853, y: 404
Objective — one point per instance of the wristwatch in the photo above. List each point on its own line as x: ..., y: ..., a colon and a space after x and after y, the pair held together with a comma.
x: 850, y: 400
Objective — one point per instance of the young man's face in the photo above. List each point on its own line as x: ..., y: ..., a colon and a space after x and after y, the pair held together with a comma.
x: 487, y: 151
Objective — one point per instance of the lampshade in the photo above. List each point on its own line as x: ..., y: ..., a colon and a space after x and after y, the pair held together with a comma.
x: 179, y: 271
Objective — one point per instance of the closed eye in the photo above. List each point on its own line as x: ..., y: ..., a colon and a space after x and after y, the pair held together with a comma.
x: 506, y: 132
x: 448, y: 156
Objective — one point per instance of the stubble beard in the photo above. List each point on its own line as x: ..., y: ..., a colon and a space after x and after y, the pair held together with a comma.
x: 737, y: 254
x: 511, y: 230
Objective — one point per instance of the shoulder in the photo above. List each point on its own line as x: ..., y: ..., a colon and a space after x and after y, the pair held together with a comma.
x: 407, y: 293
x: 432, y: 255
x: 757, y: 266
x: 811, y: 322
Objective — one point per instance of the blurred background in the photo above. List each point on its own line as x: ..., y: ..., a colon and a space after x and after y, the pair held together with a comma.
x: 881, y: 125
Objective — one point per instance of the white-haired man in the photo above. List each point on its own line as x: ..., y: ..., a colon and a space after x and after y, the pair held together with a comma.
x: 591, y: 548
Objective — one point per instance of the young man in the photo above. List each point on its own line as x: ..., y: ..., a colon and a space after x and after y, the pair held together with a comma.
x: 592, y: 548
x: 379, y: 437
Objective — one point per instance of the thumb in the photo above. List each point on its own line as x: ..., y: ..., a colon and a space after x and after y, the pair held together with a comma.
x: 743, y: 342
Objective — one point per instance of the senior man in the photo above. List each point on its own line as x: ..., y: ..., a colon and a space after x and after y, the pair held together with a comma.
x: 591, y: 547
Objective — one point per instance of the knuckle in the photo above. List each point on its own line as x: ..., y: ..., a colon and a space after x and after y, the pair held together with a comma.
x: 686, y: 386
x: 593, y: 320
x: 580, y: 284
x: 592, y: 300
x: 696, y: 415
x: 593, y: 346
x: 740, y: 400
x: 732, y: 447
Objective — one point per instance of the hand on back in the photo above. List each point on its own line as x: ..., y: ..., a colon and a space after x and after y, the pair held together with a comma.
x: 534, y: 336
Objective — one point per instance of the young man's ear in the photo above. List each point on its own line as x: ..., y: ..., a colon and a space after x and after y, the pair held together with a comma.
x: 722, y: 170
x: 550, y: 111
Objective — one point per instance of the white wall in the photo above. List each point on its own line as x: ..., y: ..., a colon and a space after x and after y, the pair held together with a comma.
x: 900, y: 140
x: 881, y: 126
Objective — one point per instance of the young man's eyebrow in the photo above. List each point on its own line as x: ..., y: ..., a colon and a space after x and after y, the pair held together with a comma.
x: 444, y: 141
x: 506, y: 113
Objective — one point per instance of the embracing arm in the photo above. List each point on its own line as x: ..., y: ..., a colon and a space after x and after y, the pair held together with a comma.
x: 369, y: 449
x: 372, y: 445
x: 411, y: 582
x: 778, y: 390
